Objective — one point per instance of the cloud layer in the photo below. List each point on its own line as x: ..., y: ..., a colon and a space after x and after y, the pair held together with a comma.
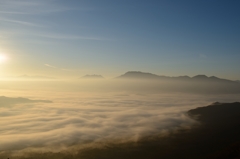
x: 76, y: 120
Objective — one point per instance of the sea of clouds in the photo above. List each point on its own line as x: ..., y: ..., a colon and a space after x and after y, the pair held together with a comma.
x: 76, y: 120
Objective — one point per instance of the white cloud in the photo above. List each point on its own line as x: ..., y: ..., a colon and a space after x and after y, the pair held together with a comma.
x: 63, y: 69
x: 20, y: 15
x: 77, y: 119
x: 50, y: 66
x: 19, y: 12
x: 20, y: 22
x: 66, y: 37
x: 30, y: 7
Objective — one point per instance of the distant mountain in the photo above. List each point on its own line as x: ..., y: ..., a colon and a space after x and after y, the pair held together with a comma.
x: 5, y: 101
x: 182, y: 77
x: 211, y: 78
x: 138, y: 75
x: 146, y: 76
x: 92, y: 77
x: 200, y: 77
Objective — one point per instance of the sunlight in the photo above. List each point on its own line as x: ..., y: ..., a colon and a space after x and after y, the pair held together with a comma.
x: 3, y: 58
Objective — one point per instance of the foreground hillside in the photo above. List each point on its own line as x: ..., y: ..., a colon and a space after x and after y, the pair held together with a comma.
x: 216, y: 137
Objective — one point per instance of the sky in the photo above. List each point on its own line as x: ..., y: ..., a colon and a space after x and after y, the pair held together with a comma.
x: 69, y: 39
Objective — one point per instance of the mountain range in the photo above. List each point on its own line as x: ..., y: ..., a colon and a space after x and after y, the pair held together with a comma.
x: 137, y: 75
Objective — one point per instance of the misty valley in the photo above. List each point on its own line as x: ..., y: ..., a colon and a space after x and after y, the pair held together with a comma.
x: 132, y: 117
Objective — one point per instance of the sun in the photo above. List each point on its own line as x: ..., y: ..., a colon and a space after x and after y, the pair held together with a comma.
x: 3, y: 58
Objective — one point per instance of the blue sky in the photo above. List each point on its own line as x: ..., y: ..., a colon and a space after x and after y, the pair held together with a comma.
x: 109, y: 37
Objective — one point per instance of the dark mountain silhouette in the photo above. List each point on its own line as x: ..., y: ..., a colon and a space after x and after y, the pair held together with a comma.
x: 216, y: 137
x: 138, y: 75
x: 141, y: 81
x: 200, y: 77
x: 219, y: 132
x: 211, y: 79
x: 218, y: 114
x: 92, y: 77
x: 183, y: 77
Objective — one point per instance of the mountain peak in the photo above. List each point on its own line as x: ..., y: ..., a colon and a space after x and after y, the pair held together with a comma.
x: 200, y: 77
x: 138, y: 75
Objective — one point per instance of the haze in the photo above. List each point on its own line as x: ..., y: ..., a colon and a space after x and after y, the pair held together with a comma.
x: 76, y: 76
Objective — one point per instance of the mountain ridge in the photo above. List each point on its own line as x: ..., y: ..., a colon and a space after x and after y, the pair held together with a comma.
x: 145, y: 75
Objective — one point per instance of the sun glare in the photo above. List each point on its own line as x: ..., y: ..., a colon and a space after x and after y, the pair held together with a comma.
x: 3, y: 58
